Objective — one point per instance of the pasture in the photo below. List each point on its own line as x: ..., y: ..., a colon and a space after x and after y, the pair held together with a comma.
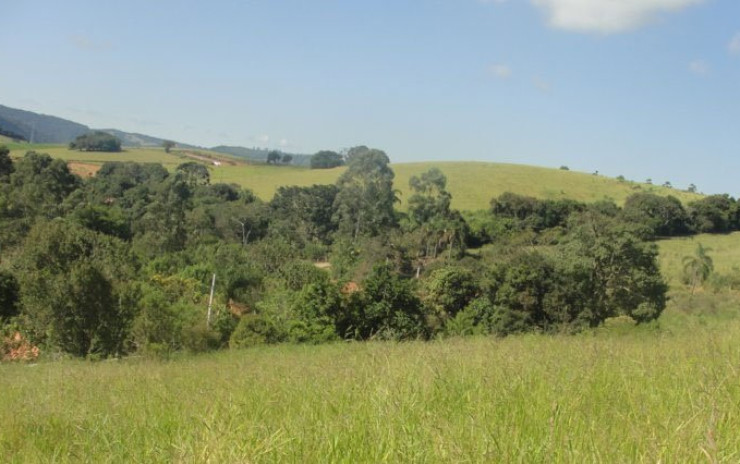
x: 472, y: 184
x: 612, y: 395
x: 724, y: 250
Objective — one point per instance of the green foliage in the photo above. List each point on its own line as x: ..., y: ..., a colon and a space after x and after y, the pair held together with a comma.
x: 475, y: 319
x: 665, y: 216
x: 532, y: 213
x: 162, y: 224
x: 171, y: 316
x: 715, y: 214
x: 436, y: 227
x: 6, y: 164
x: 449, y: 290
x: 326, y: 159
x: 307, y: 210
x: 274, y: 157
x: 364, y: 202
x: 73, y: 289
x: 38, y: 187
x: 318, y: 307
x: 624, y: 271
x: 9, y: 295
x: 96, y: 141
x: 386, y: 308
x: 194, y: 174
x: 253, y: 330
x: 697, y: 268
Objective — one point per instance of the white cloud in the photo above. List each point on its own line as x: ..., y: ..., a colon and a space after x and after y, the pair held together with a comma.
x: 500, y: 71
x: 734, y: 46
x: 699, y: 67
x: 283, y: 143
x: 607, y: 16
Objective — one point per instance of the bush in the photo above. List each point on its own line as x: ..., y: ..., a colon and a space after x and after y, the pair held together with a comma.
x: 448, y: 290
x: 253, y: 330
x: 387, y: 308
x: 96, y: 141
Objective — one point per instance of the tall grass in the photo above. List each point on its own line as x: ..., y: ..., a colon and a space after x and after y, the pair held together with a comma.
x: 607, y: 396
x: 723, y: 249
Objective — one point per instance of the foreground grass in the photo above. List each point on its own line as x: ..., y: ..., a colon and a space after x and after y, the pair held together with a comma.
x: 639, y: 396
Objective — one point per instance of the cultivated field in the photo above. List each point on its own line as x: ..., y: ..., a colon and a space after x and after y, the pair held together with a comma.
x: 472, y: 184
x: 645, y: 395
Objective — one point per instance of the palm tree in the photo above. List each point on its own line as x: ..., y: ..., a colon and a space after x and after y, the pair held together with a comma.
x: 697, y: 268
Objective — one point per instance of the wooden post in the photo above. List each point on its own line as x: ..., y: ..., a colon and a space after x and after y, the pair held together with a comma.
x: 210, y: 301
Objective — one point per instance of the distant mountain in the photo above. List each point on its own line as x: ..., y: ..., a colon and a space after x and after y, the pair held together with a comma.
x: 260, y: 154
x: 39, y: 128
x: 132, y: 139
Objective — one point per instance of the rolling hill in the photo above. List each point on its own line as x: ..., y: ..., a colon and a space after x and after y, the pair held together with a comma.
x: 472, y: 184
x: 45, y: 129
x: 39, y: 128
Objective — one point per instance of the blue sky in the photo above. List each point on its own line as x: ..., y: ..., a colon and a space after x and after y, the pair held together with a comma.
x: 640, y: 88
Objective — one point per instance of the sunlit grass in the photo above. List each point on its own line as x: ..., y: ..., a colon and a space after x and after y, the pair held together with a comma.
x: 604, y: 397
x: 724, y: 251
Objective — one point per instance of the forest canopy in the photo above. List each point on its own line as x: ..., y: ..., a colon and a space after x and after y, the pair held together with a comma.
x: 123, y: 262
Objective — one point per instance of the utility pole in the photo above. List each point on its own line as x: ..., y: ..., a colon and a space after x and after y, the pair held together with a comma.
x: 210, y: 302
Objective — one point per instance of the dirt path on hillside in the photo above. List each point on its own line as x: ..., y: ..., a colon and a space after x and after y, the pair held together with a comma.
x: 208, y: 159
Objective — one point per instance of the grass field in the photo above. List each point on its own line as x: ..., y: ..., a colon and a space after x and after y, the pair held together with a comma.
x: 724, y: 251
x: 640, y: 396
x: 472, y: 184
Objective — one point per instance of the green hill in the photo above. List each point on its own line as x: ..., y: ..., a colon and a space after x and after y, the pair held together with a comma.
x: 41, y: 128
x: 472, y: 184
x: 722, y: 248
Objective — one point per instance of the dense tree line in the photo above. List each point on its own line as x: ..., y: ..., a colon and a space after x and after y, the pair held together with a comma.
x: 123, y: 261
x: 96, y: 141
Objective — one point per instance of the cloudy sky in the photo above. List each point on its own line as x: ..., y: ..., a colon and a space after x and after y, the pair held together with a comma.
x: 640, y: 88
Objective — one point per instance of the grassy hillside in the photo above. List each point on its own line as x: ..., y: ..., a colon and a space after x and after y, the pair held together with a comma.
x: 472, y: 184
x: 608, y: 396
x: 724, y: 251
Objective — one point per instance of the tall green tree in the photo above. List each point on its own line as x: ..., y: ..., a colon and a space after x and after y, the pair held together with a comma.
x: 9, y: 295
x: 274, y: 157
x: 194, y: 173
x: 96, y: 141
x: 364, y: 202
x: 698, y: 267
x: 665, y: 216
x: 432, y: 222
x: 74, y: 287
x: 326, y: 159
x: 307, y: 210
x: 6, y: 164
x: 622, y: 268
